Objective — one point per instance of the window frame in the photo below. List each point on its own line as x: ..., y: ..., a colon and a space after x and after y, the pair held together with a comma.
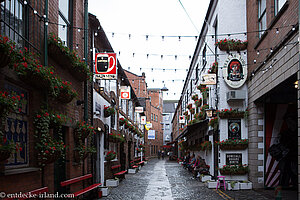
x: 262, y: 15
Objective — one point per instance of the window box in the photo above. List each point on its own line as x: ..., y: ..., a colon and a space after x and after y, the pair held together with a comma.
x: 246, y: 185
x: 233, y: 185
x: 112, y: 183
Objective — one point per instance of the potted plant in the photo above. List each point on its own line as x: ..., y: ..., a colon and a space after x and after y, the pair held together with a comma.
x: 230, y: 144
x: 122, y: 121
x: 6, y: 50
x: 110, y: 155
x: 83, y: 130
x: 231, y: 45
x: 233, y: 185
x: 230, y: 113
x: 234, y: 169
x: 213, y: 68
x: 82, y: 151
x: 245, y: 185
x: 65, y: 93
x: 108, y: 111
x: 8, y: 103
x: 213, y: 123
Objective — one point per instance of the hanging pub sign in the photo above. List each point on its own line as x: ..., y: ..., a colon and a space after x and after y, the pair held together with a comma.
x: 181, y: 119
x: 143, y: 120
x: 208, y: 79
x: 106, y: 66
x: 234, y: 159
x: 139, y: 109
x: 234, y: 129
x: 125, y: 92
x: 235, y: 71
x: 151, y: 135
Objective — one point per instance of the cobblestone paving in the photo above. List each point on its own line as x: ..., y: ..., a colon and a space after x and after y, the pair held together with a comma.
x: 135, y: 186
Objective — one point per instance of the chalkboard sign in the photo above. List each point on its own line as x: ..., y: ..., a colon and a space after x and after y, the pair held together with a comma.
x: 234, y: 129
x: 234, y: 159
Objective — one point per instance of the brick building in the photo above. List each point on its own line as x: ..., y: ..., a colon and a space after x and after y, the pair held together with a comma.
x: 273, y: 55
x: 49, y: 92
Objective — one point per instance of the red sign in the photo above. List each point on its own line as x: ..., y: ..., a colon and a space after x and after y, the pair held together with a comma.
x: 106, y: 66
x: 125, y: 92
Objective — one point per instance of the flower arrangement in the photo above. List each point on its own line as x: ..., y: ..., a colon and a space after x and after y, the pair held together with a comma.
x: 200, y: 115
x: 230, y: 113
x: 122, y: 121
x: 189, y: 106
x: 198, y: 102
x: 230, y: 144
x: 110, y: 155
x: 82, y: 151
x: 63, y: 90
x: 7, y: 147
x: 83, y: 130
x: 108, y: 111
x: 213, y: 68
x: 116, y: 137
x: 213, y: 123
x: 234, y: 169
x: 195, y: 97
x: 9, y: 103
x: 231, y: 44
x: 72, y: 61
x: 6, y: 49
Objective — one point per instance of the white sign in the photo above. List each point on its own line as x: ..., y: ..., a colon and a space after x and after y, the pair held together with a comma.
x: 143, y: 120
x: 151, y: 135
x: 125, y: 92
x: 208, y: 79
x: 106, y: 66
x: 235, y: 71
x: 181, y: 119
x: 139, y: 109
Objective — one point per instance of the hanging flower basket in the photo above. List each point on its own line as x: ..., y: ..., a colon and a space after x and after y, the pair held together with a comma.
x: 6, y: 49
x: 64, y: 97
x: 232, y: 45
x: 50, y: 157
x: 108, y: 111
x: 110, y: 156
x: 4, y: 155
x: 60, y: 56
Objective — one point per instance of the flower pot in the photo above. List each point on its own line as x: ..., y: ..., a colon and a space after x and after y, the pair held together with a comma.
x: 112, y: 183
x: 234, y: 147
x: 4, y: 155
x: 234, y: 186
x: 105, y: 191
x: 64, y: 97
x: 80, y: 76
x: 59, y: 56
x: 245, y: 186
x: 4, y: 58
x: 50, y: 158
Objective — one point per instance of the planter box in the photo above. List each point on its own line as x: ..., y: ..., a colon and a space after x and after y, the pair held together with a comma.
x: 105, y: 191
x: 236, y: 186
x: 112, y: 183
x: 205, y: 178
x: 212, y: 184
x: 131, y: 171
x: 245, y: 186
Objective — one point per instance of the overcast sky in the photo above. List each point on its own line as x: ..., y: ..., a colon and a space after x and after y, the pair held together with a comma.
x: 146, y: 22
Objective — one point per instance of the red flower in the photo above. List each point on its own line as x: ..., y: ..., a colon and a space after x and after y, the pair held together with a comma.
x: 38, y: 116
x: 46, y: 151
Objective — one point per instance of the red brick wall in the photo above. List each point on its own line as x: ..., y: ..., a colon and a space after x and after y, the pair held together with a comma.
x: 272, y: 38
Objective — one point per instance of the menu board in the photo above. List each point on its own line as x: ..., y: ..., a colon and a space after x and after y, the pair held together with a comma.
x: 234, y: 159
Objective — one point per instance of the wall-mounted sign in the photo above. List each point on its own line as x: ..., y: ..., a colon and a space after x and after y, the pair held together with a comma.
x: 151, y: 135
x: 148, y: 126
x: 139, y: 109
x: 181, y: 119
x: 125, y: 92
x: 235, y: 71
x: 208, y: 79
x: 143, y: 120
x: 234, y: 159
x: 106, y: 66
x: 234, y: 129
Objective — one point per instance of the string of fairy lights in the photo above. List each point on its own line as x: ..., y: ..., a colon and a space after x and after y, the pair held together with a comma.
x: 180, y: 38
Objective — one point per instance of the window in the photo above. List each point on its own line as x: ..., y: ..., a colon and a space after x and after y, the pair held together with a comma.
x: 113, y: 147
x: 63, y: 19
x: 151, y: 117
x: 167, y: 127
x: 12, y: 14
x: 278, y: 5
x: 262, y: 18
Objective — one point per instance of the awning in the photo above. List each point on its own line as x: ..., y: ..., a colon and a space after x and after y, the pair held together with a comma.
x: 167, y: 146
x: 194, y: 127
x: 169, y: 143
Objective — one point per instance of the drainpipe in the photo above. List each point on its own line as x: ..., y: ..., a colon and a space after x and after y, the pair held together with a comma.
x: 85, y: 58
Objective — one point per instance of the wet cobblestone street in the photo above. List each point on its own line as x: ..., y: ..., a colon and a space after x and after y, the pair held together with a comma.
x: 164, y: 179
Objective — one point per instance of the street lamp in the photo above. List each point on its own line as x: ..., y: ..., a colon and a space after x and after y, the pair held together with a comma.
x: 164, y: 89
x: 211, y: 113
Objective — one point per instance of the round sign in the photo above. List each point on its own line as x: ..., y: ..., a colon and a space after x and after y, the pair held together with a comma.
x: 235, y: 71
x: 124, y: 95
